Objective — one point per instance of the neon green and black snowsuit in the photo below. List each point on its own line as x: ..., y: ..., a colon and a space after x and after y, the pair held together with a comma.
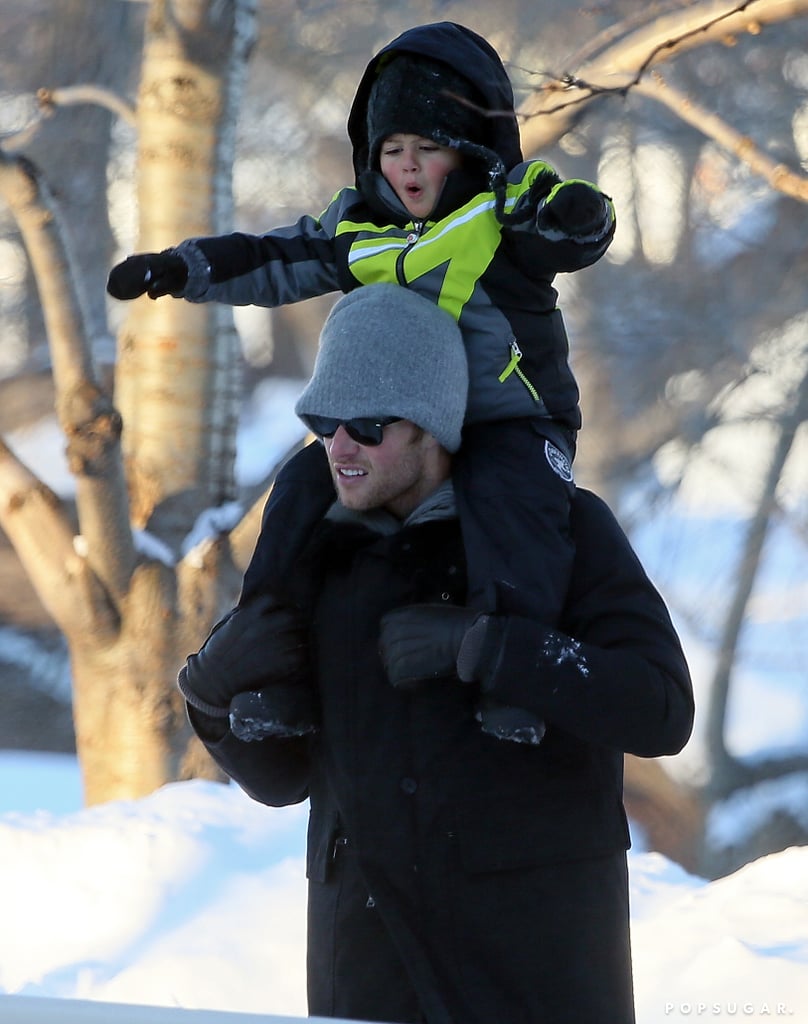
x: 483, y: 257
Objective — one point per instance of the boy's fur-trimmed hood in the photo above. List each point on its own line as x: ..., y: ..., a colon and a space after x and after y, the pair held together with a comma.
x: 468, y: 54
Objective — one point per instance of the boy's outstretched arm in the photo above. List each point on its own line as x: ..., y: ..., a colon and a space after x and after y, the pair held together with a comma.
x: 284, y: 265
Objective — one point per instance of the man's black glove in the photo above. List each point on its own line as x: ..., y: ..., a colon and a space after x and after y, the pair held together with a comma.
x: 422, y: 642
x: 574, y: 207
x: 256, y: 644
x: 150, y: 273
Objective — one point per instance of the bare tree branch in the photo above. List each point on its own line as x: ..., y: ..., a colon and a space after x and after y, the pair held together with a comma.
x: 552, y: 110
x: 725, y: 769
x: 31, y: 512
x: 780, y: 177
x: 619, y: 29
x: 97, y: 95
x: 49, y: 99
x: 90, y: 423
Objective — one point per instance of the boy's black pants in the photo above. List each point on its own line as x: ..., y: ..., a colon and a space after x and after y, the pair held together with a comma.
x: 513, y: 486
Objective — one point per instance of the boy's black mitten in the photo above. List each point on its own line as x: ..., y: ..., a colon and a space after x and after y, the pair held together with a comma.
x: 281, y: 710
x: 423, y: 642
x: 257, y: 643
x: 574, y: 207
x: 150, y: 273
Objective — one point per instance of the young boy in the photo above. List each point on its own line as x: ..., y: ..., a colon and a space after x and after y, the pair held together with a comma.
x: 444, y: 204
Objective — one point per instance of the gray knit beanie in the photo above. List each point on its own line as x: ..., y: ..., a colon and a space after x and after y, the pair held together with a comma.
x: 387, y: 351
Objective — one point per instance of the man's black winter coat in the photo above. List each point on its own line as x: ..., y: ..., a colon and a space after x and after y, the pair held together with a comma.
x: 454, y: 876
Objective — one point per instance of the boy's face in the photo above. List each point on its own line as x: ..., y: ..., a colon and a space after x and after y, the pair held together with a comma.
x: 416, y: 169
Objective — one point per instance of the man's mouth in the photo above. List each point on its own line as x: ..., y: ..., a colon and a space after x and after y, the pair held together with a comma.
x: 351, y: 472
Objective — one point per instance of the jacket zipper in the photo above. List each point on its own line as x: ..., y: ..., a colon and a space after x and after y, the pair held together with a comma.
x: 513, y: 367
x: 412, y: 238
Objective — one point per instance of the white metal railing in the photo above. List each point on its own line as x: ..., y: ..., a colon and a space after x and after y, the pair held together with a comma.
x: 45, y: 1010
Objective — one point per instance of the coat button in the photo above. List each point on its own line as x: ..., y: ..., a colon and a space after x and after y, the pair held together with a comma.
x: 409, y: 786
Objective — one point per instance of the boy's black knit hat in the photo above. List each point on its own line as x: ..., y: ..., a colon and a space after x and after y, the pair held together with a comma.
x: 415, y: 95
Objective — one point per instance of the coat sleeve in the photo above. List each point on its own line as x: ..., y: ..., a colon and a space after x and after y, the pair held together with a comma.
x: 615, y: 673
x: 284, y: 265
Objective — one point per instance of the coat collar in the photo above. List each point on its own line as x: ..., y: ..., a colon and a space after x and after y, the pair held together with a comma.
x: 440, y: 504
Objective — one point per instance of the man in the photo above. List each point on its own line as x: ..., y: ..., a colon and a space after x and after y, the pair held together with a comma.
x: 453, y: 876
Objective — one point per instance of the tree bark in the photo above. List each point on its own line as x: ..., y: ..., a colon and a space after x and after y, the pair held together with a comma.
x: 178, y: 373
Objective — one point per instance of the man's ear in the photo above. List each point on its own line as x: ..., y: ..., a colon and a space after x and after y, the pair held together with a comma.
x: 440, y: 456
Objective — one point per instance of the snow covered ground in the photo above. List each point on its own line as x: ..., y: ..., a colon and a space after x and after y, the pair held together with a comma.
x: 195, y: 897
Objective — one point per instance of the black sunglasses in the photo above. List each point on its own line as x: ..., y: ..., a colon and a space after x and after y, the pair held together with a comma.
x: 365, y: 430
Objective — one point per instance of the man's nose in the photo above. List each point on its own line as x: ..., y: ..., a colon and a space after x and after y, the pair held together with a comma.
x: 342, y: 444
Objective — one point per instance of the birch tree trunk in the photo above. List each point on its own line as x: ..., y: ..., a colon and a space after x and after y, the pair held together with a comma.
x: 177, y: 382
